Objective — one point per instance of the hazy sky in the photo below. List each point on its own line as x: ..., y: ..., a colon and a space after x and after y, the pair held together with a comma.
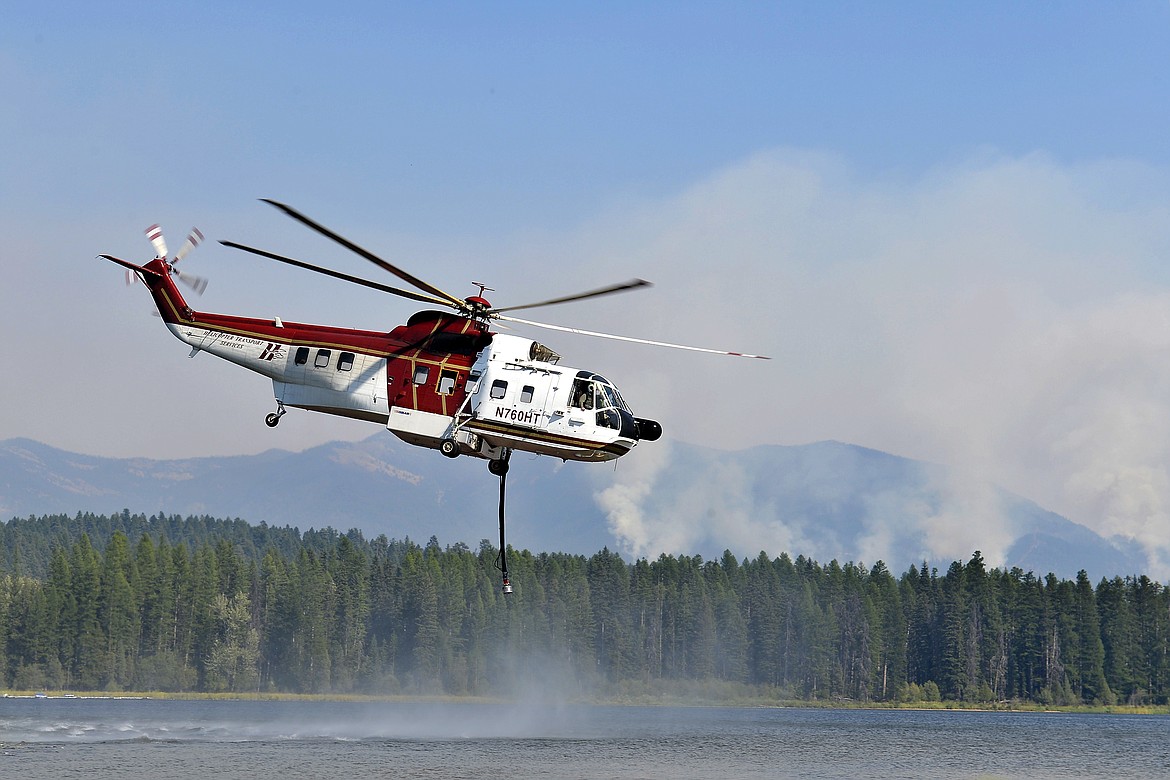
x: 949, y: 223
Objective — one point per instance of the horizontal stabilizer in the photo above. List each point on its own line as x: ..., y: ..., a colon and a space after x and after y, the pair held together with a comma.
x: 128, y: 264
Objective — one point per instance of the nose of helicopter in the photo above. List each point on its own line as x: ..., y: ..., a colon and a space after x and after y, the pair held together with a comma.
x: 647, y: 430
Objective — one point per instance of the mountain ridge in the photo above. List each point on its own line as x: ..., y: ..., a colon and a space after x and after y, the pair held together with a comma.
x: 825, y: 500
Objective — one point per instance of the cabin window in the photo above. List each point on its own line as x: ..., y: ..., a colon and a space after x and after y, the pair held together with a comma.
x: 345, y: 361
x: 447, y: 382
x: 499, y: 387
x: 302, y: 356
x: 421, y: 374
x: 526, y: 394
x: 322, y: 359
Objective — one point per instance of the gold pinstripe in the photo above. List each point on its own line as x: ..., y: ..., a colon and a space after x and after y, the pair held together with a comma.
x: 223, y: 328
x: 550, y: 438
x: 402, y: 353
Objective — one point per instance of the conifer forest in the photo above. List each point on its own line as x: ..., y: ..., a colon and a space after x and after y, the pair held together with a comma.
x: 163, y: 603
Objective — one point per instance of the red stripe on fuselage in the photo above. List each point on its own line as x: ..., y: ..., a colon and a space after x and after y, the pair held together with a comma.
x: 406, y: 342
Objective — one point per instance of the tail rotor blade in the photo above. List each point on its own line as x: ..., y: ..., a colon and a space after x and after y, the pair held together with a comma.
x: 196, y: 283
x: 155, y: 234
x: 194, y: 239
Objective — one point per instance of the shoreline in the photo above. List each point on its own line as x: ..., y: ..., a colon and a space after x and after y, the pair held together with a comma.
x: 636, y: 701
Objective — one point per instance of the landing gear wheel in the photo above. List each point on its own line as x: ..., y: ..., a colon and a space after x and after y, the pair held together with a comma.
x: 498, y: 467
x: 274, y: 418
x: 449, y: 448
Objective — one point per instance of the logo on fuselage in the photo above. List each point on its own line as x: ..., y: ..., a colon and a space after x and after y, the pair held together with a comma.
x: 272, y: 352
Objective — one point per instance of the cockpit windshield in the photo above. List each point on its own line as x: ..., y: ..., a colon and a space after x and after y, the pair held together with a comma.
x: 591, y: 391
x: 611, y: 396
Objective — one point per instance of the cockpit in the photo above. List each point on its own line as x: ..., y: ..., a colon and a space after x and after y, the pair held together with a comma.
x: 593, y: 392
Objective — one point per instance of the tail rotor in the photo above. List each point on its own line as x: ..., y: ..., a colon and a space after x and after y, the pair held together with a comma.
x: 194, y: 239
x: 155, y: 234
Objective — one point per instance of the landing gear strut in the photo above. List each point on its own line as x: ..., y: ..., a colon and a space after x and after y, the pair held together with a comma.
x: 500, y: 469
x: 273, y: 419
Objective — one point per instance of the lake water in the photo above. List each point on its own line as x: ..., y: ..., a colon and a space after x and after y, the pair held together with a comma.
x: 130, y: 739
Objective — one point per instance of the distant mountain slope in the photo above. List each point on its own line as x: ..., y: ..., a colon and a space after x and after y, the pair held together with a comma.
x: 825, y: 500
x: 835, y: 500
x: 379, y: 485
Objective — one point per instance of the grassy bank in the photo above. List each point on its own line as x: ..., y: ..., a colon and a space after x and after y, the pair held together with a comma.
x: 662, y: 699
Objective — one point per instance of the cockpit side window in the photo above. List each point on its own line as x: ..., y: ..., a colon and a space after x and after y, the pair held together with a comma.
x: 594, y: 393
x: 584, y: 395
x: 609, y: 418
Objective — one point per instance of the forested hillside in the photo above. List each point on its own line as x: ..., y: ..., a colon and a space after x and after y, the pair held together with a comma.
x: 240, y: 608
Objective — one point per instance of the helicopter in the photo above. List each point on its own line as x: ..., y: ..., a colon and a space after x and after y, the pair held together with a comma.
x: 442, y: 381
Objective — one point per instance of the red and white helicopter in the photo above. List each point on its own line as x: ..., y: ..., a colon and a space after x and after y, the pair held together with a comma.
x: 443, y: 380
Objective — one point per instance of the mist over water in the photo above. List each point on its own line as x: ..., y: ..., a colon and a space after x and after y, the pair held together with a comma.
x: 104, y: 720
x: 152, y: 739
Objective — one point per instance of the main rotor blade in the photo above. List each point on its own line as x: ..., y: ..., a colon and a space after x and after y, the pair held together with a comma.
x: 581, y: 332
x: 449, y: 299
x: 633, y: 284
x: 338, y: 275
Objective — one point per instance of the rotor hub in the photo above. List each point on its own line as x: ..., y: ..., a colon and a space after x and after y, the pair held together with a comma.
x: 477, y: 303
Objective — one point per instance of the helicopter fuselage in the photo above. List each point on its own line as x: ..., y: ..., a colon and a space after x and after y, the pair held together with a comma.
x: 442, y: 380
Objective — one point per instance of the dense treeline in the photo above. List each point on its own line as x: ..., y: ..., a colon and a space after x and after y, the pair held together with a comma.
x: 26, y: 544
x: 385, y: 617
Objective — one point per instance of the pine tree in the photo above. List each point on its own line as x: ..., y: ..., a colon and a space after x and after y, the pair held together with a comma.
x: 609, y: 586
x: 731, y: 642
x: 1089, y: 684
x: 118, y: 613
x: 890, y: 638
x: 1150, y: 613
x: 350, y: 576
x: 89, y: 663
x: 1119, y: 633
x: 61, y: 603
x: 954, y: 676
x: 234, y: 650
x: 768, y: 613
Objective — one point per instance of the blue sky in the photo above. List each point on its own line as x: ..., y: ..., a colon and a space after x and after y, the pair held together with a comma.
x: 948, y: 222
x: 465, y: 115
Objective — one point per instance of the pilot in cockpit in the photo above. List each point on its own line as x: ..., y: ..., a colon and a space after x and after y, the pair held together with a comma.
x: 582, y: 397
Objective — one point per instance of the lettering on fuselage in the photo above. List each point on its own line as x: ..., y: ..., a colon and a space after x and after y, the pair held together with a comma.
x: 232, y: 341
x: 528, y: 417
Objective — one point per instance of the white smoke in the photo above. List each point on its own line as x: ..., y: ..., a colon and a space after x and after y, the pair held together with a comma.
x: 714, y: 512
x: 1008, y: 317
x: 624, y: 501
